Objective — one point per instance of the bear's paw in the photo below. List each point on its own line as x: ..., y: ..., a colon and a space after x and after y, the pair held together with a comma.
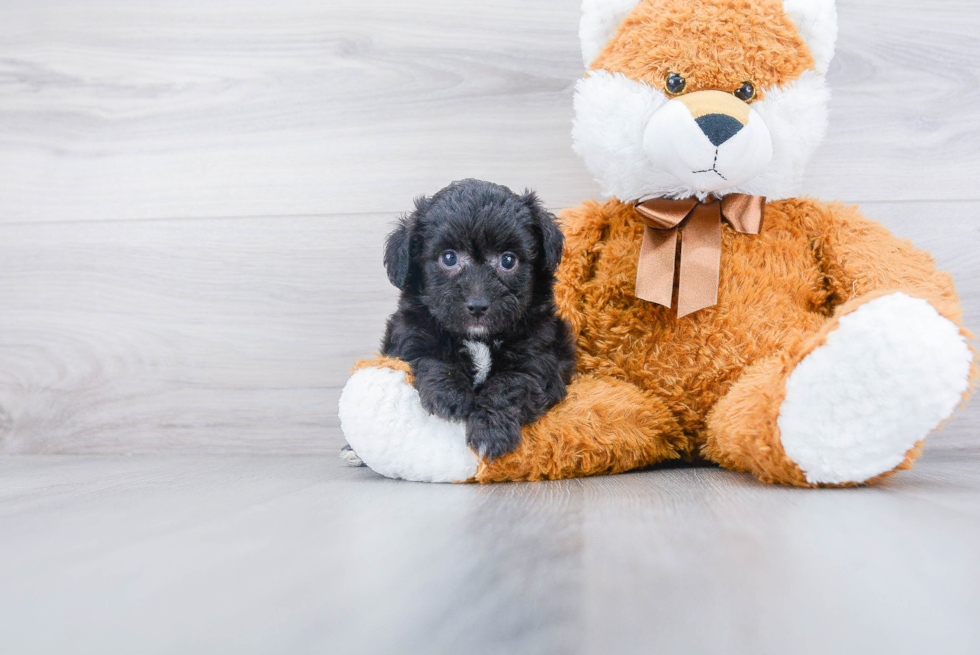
x: 384, y: 422
x: 891, y: 372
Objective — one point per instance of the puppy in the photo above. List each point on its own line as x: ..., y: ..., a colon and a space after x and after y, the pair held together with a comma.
x: 476, y: 319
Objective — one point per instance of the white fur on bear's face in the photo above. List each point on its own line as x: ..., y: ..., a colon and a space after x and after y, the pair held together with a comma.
x: 674, y: 142
x: 816, y: 21
x: 614, y: 113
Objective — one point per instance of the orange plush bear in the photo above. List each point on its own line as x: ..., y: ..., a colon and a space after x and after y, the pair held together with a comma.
x: 719, y: 317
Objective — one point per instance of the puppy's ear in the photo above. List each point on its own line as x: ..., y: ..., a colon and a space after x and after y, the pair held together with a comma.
x: 551, y: 239
x: 400, y: 246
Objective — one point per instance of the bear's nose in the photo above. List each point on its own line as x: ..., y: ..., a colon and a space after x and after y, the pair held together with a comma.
x: 719, y: 128
x: 477, y: 307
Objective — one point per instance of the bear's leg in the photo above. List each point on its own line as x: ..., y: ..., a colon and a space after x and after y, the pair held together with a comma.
x: 602, y: 426
x: 849, y: 404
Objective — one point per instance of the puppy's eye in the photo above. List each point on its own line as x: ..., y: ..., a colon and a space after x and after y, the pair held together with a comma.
x: 449, y: 259
x: 508, y: 261
x: 746, y: 92
x: 675, y: 84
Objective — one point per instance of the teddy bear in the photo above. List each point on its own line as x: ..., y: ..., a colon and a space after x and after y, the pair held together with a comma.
x: 719, y: 316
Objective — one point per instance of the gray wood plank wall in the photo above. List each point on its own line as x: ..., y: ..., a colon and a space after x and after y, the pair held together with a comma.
x: 193, y: 197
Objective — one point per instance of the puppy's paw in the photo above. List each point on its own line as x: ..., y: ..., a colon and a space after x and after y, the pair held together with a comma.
x: 493, y: 434
x: 446, y: 402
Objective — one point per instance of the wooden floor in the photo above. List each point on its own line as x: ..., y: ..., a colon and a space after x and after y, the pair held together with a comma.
x: 193, y: 200
x: 300, y: 554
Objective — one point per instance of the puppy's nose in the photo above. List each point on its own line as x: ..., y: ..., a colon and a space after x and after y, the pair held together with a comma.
x: 719, y: 128
x: 477, y: 307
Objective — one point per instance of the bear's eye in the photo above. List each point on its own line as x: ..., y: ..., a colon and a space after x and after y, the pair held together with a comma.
x: 746, y: 92
x: 508, y: 261
x: 675, y: 84
x: 449, y: 258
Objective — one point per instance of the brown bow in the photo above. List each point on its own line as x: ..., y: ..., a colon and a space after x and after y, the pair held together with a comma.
x: 699, y: 227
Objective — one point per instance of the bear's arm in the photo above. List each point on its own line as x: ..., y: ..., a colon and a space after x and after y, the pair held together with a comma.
x: 584, y: 227
x: 860, y: 257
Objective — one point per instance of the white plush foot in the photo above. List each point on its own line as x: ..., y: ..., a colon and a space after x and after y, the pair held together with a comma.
x: 383, y: 421
x: 891, y: 373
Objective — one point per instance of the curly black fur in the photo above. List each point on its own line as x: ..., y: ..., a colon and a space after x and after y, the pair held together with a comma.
x: 451, y: 304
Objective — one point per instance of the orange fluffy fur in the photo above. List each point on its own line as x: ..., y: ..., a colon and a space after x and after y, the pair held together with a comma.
x: 719, y: 373
x: 386, y: 362
x: 750, y: 41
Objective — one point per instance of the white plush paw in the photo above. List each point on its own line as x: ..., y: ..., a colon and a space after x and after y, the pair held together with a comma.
x: 383, y: 421
x: 891, y: 372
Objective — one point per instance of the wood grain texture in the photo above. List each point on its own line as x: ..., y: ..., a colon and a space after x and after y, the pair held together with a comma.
x: 115, y: 110
x: 111, y: 110
x: 275, y: 554
x: 216, y: 335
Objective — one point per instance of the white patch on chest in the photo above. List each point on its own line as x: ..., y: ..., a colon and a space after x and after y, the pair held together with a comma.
x: 480, y: 353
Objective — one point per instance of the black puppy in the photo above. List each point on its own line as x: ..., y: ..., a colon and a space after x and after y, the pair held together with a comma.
x: 476, y: 319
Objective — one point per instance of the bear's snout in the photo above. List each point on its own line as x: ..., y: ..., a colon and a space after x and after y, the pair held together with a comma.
x: 708, y: 140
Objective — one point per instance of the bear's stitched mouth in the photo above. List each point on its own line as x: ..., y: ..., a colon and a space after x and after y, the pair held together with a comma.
x: 714, y: 167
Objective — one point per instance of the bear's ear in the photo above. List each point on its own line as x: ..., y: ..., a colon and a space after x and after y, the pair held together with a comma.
x: 550, y: 238
x: 400, y: 246
x: 600, y: 20
x: 816, y: 21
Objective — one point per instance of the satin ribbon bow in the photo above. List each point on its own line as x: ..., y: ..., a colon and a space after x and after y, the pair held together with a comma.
x: 698, y: 224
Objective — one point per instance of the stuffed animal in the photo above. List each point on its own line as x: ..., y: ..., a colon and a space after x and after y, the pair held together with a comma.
x: 719, y: 316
